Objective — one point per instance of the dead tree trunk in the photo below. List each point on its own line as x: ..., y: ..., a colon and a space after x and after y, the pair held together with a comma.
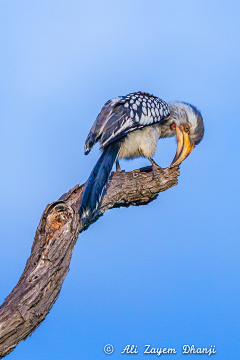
x: 40, y: 284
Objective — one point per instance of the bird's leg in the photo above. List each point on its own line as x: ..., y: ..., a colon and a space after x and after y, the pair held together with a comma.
x: 118, y: 166
x: 155, y: 166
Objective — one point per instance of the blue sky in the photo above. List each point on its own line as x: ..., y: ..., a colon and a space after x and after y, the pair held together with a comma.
x: 166, y: 274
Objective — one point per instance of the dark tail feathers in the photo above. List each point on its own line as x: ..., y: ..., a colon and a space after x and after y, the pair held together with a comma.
x: 97, y: 181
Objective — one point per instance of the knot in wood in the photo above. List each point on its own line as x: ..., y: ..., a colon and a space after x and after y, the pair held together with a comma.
x: 57, y: 218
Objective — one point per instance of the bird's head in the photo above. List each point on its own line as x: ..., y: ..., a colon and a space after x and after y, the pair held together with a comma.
x: 187, y: 122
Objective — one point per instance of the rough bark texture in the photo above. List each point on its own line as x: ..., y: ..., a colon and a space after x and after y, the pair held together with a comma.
x: 40, y: 284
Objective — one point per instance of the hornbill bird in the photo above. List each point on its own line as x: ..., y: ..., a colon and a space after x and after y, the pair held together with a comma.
x: 129, y: 127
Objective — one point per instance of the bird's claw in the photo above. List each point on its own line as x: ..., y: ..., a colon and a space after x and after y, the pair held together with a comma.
x: 118, y: 169
x: 155, y: 169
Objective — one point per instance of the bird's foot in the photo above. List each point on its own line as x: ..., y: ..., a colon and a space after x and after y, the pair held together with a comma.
x: 118, y: 169
x: 155, y: 168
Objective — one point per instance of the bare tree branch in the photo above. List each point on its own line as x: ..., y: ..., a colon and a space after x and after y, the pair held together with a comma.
x: 40, y: 284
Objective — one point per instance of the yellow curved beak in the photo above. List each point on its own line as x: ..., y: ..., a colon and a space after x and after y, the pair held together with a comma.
x: 184, y: 147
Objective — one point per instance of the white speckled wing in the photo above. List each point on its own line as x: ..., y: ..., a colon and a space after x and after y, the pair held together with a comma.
x: 121, y: 115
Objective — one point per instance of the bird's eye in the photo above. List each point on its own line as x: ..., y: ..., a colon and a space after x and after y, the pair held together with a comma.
x: 187, y: 127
